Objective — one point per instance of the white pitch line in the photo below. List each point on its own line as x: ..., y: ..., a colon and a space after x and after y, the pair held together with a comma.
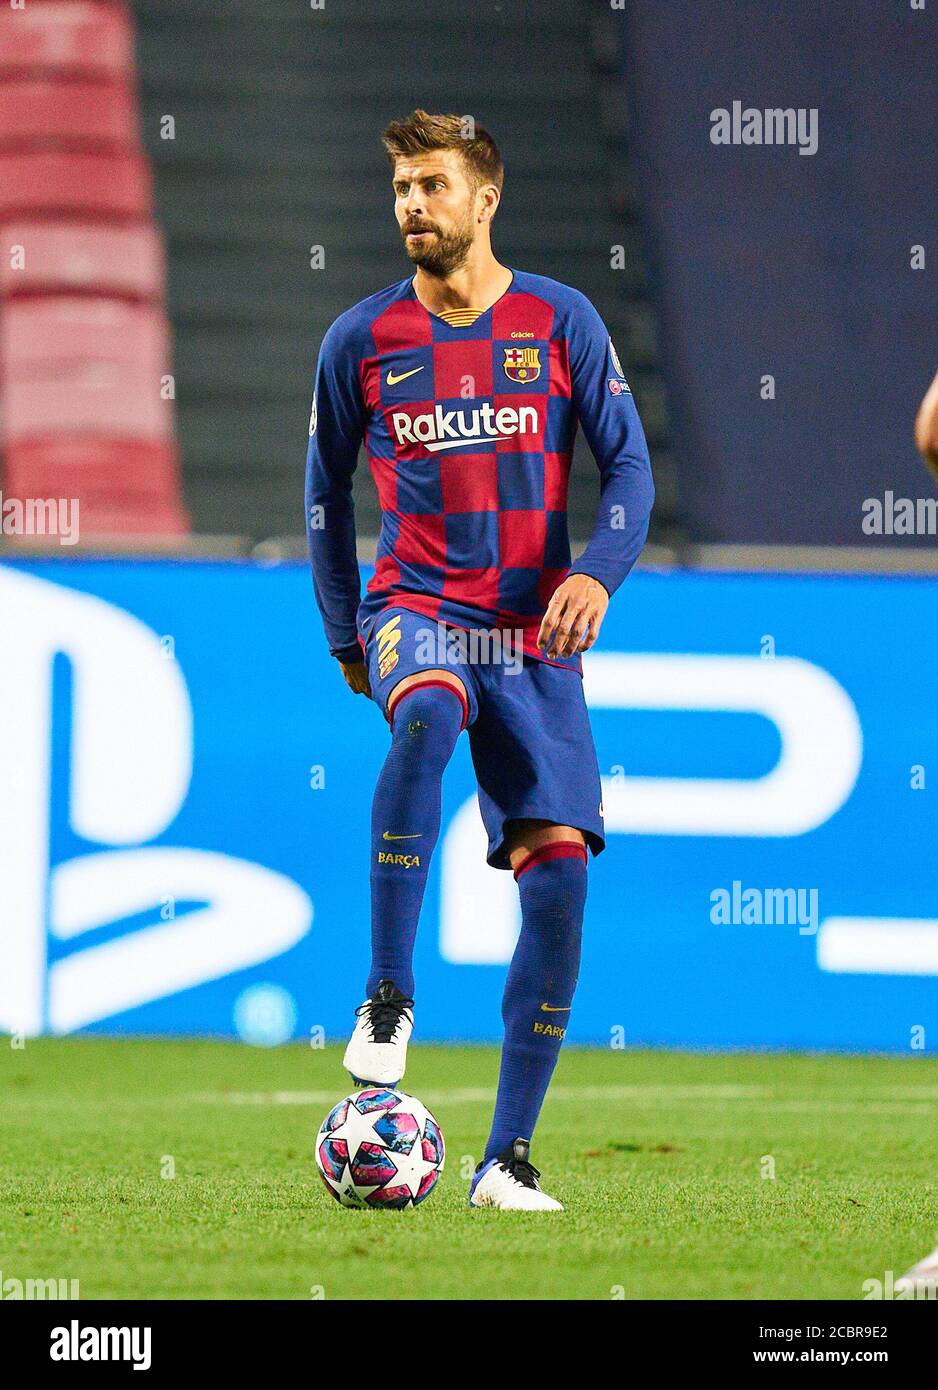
x: 912, y: 1101
x: 471, y: 1095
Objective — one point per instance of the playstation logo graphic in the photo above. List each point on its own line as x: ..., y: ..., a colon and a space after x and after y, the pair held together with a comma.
x: 820, y: 753
x: 130, y: 757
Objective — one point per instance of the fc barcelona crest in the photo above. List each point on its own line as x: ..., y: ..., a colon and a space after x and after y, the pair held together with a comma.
x: 522, y: 364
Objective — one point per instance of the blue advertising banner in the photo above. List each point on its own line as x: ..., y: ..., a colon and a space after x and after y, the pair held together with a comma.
x: 185, y: 803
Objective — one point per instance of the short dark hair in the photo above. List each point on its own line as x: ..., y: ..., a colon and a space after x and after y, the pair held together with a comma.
x: 421, y: 132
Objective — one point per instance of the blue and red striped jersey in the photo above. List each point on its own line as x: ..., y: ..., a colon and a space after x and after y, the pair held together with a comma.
x: 468, y: 428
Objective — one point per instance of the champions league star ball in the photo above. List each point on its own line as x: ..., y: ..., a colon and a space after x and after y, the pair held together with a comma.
x: 380, y: 1148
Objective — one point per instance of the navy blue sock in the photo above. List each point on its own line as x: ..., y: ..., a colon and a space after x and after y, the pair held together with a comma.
x: 539, y: 988
x: 405, y: 824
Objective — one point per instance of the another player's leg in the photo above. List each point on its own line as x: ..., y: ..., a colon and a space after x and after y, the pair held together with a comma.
x: 921, y: 1281
x: 549, y: 863
x: 426, y: 712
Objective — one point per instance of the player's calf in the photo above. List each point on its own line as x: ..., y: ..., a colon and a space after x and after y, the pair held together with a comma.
x: 426, y: 722
x: 540, y: 985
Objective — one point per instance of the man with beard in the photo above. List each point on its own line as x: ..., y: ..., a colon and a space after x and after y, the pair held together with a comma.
x: 467, y: 381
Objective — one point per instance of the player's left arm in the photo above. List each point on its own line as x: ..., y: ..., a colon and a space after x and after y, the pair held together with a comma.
x: 606, y: 410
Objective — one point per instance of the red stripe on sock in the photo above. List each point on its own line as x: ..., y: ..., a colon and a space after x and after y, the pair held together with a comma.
x: 557, y: 849
x: 426, y: 685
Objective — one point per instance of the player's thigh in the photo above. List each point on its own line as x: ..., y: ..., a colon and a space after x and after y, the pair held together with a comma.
x: 523, y: 837
x: 396, y: 651
x: 535, y: 761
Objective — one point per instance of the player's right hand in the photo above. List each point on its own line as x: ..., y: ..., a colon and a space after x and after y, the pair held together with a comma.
x: 926, y: 427
x: 356, y: 677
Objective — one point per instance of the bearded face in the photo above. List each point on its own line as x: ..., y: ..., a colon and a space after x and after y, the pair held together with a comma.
x: 439, y: 250
x: 436, y: 209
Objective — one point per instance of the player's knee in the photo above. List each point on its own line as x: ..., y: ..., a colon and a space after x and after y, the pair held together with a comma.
x: 426, y: 721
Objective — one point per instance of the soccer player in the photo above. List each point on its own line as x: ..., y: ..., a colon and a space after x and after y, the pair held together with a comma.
x: 466, y: 382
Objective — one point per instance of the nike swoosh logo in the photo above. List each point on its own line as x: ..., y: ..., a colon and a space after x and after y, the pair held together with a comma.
x: 386, y: 836
x: 461, y: 443
x: 392, y: 380
x: 555, y: 1009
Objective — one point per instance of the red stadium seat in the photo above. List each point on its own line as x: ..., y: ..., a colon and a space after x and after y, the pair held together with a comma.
x: 53, y: 183
x: 36, y: 109
x: 66, y: 36
x: 52, y: 335
x: 110, y: 398
x: 125, y: 470
x: 82, y: 256
x: 84, y: 340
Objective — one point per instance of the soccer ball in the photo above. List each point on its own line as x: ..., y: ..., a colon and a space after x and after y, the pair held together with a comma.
x: 380, y: 1148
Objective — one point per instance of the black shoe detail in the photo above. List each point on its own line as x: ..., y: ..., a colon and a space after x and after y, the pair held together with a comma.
x: 516, y: 1161
x: 384, y: 1011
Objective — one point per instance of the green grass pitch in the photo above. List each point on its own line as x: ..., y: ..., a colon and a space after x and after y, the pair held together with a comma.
x: 663, y: 1161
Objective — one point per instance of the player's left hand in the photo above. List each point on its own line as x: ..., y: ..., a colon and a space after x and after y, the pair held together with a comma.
x: 574, y: 616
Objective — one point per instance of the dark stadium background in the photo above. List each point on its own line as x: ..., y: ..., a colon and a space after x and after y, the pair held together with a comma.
x: 278, y: 114
x: 730, y: 263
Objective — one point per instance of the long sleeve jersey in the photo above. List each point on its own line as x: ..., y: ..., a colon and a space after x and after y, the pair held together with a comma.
x: 468, y: 422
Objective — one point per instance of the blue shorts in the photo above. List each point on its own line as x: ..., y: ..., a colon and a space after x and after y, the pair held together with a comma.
x: 529, y: 733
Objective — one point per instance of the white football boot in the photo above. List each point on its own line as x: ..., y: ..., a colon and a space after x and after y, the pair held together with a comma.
x: 377, y: 1050
x: 510, y: 1183
x: 922, y: 1279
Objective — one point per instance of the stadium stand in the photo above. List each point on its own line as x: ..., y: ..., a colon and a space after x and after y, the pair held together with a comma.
x: 85, y: 345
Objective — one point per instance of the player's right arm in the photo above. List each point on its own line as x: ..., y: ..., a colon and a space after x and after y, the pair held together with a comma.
x: 336, y: 429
